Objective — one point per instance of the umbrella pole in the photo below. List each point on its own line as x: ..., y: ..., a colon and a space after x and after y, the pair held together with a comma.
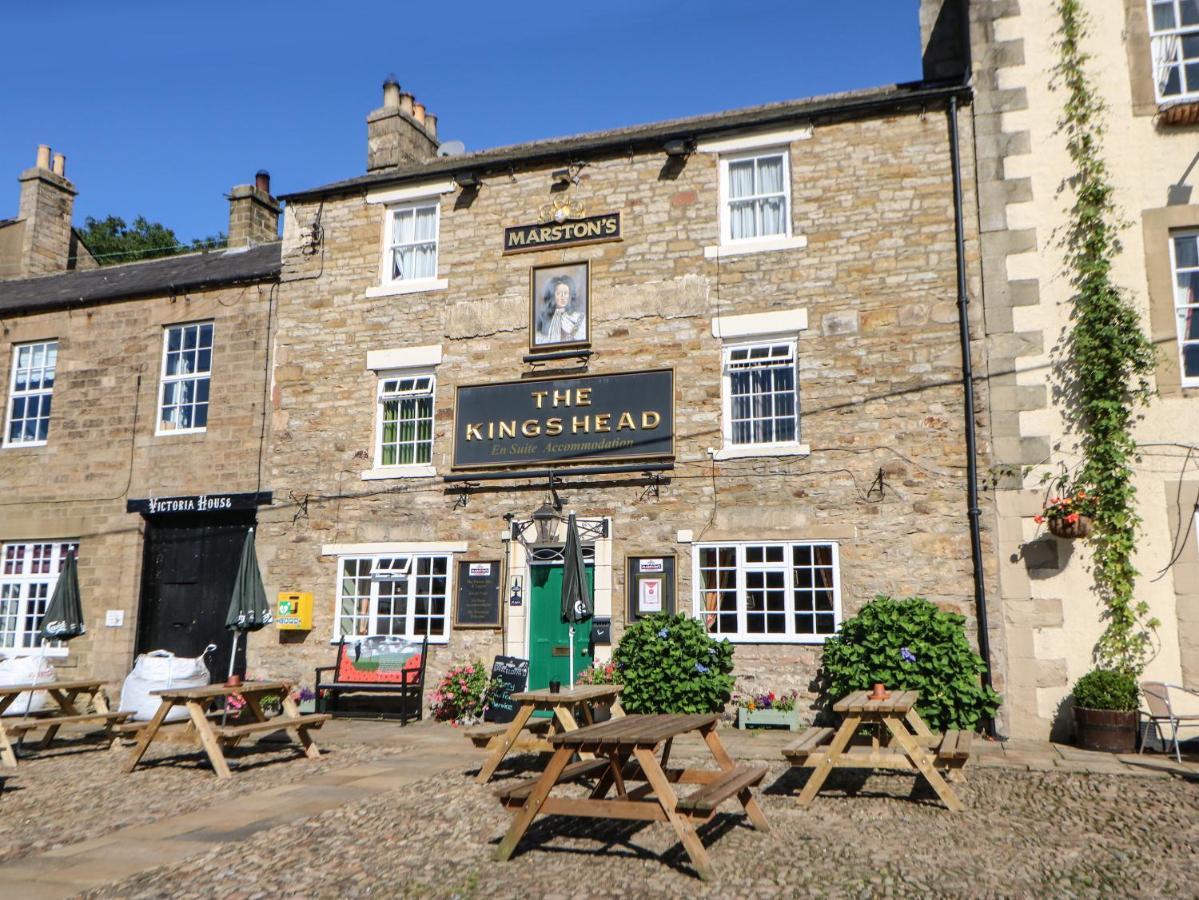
x: 232, y: 663
x: 572, y: 657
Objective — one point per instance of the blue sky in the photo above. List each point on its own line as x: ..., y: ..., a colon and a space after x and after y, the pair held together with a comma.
x: 160, y: 107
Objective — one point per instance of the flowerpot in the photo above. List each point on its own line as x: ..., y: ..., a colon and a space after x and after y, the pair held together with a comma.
x: 768, y: 718
x: 1108, y: 730
x: 1063, y: 529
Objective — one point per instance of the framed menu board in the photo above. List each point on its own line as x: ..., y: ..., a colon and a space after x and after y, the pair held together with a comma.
x: 649, y: 584
x: 477, y: 601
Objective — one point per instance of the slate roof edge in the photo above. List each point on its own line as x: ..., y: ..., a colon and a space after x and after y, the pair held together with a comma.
x: 845, y: 104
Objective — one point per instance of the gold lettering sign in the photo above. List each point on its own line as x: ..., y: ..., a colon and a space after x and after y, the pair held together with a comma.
x: 590, y: 230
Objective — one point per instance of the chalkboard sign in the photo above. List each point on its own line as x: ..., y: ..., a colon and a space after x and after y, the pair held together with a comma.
x: 478, y: 598
x: 511, y: 675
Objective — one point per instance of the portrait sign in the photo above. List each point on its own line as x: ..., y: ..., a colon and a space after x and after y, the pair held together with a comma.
x: 560, y: 307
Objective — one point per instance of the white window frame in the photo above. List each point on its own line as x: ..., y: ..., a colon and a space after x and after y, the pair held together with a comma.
x: 1159, y: 41
x: 395, y: 567
x: 389, y: 285
x: 732, y: 450
x: 23, y: 584
x: 164, y: 379
x: 1182, y: 310
x: 790, y: 636
x: 14, y: 395
x: 752, y: 149
x: 402, y: 470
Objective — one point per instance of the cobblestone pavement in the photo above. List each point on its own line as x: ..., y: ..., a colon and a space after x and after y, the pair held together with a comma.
x: 1024, y: 833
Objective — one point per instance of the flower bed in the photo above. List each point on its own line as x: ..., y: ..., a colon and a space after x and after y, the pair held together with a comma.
x: 768, y: 710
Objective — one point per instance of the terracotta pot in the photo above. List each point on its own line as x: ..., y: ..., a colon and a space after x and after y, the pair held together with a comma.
x: 1108, y: 730
x: 1063, y: 529
x: 233, y: 681
x: 880, y: 692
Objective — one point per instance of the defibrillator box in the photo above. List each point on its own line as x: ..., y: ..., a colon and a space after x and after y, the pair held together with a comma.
x: 293, y: 611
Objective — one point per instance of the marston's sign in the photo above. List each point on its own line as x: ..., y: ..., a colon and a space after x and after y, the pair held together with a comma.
x: 589, y: 230
x: 565, y: 420
x: 153, y: 506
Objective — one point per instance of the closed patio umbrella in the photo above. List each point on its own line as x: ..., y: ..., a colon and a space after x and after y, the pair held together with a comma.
x: 576, y: 599
x: 64, y: 616
x: 248, y: 609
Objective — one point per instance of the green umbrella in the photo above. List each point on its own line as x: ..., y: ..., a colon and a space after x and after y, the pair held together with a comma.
x: 64, y: 616
x: 576, y: 599
x: 248, y: 609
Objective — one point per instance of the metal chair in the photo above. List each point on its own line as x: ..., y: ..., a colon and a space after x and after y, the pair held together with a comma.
x: 1157, y: 698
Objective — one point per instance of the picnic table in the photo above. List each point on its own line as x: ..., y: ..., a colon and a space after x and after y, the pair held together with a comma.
x: 66, y: 711
x: 524, y: 734
x: 626, y: 759
x: 899, y: 740
x: 213, y: 736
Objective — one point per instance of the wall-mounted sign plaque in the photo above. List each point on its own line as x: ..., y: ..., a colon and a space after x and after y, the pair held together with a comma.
x: 565, y: 420
x: 649, y: 584
x: 590, y: 230
x: 478, y: 600
x: 198, y: 503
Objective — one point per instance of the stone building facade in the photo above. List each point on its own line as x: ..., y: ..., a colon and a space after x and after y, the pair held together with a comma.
x: 105, y: 373
x: 397, y: 299
x: 1049, y: 613
x: 40, y: 239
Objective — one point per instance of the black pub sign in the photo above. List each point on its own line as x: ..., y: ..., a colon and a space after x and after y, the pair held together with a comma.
x: 198, y: 503
x: 625, y: 416
x: 588, y: 230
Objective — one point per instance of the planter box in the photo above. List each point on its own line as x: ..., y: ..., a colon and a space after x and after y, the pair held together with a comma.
x: 1071, y: 530
x: 1108, y: 730
x: 767, y: 718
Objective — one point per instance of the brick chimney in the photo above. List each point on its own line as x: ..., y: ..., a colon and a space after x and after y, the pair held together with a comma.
x: 47, y: 200
x: 253, y: 213
x: 399, y: 132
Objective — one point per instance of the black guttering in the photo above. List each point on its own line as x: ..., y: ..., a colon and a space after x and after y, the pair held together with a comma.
x: 914, y: 95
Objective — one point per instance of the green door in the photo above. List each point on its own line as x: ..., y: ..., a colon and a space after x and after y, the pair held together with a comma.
x: 549, y: 634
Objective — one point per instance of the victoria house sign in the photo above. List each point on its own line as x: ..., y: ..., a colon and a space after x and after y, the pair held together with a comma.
x: 626, y: 416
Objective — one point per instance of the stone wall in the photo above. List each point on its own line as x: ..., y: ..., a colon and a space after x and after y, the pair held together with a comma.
x: 880, y: 377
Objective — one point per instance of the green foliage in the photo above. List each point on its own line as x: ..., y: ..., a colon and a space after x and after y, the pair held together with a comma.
x: 112, y: 242
x: 911, y: 645
x: 669, y: 664
x: 1106, y: 689
x: 1110, y: 358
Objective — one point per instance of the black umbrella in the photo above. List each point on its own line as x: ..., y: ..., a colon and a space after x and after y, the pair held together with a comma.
x: 64, y: 616
x: 248, y: 609
x: 576, y: 598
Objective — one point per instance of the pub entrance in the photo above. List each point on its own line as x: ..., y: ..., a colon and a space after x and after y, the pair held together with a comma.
x: 549, y: 633
x: 189, y: 566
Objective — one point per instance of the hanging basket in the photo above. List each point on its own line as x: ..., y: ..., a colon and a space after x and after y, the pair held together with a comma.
x: 1063, y: 529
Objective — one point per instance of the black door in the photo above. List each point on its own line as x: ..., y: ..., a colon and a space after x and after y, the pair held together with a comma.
x: 187, y: 580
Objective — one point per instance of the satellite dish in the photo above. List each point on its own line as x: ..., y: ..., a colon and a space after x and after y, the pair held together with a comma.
x: 451, y: 148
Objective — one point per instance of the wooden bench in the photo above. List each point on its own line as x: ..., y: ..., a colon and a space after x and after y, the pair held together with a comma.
x: 483, y: 735
x: 516, y: 794
x: 30, y: 723
x: 702, y: 803
x: 232, y: 732
x: 808, y: 743
x: 955, y: 745
x: 353, y: 674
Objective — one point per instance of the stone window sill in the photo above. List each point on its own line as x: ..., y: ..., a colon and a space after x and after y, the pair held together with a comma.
x: 415, y: 286
x: 24, y: 445
x: 765, y: 245
x: 761, y: 450
x: 384, y: 472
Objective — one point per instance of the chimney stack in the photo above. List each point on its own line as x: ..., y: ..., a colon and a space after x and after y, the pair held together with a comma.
x: 47, y: 243
x: 399, y: 132
x: 253, y: 213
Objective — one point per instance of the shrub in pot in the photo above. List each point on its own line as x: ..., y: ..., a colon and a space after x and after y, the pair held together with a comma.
x: 1105, y: 711
x: 669, y: 664
x: 912, y: 645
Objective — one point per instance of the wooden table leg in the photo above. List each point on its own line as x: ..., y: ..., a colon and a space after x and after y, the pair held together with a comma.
x: 917, y: 723
x: 667, y: 799
x: 146, y: 735
x: 565, y: 718
x: 496, y: 756
x: 923, y: 761
x: 750, y: 804
x: 298, y: 733
x: 208, y: 739
x: 841, y: 739
x: 533, y: 805
x: 66, y: 707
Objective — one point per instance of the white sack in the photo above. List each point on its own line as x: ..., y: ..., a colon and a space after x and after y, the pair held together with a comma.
x: 26, y: 670
x: 157, y: 671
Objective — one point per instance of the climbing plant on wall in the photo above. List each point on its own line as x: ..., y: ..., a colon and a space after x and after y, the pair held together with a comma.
x: 1109, y: 357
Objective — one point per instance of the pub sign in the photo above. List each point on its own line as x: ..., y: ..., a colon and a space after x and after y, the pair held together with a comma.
x: 569, y: 233
x: 560, y: 421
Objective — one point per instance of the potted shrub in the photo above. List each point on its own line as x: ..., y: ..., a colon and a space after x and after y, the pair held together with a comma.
x: 769, y: 710
x: 461, y: 695
x: 600, y: 674
x: 1070, y: 515
x: 670, y: 664
x: 1105, y: 711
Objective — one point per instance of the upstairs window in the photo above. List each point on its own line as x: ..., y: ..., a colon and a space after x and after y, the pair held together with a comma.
x: 1184, y: 253
x: 186, y: 378
x: 405, y: 432
x: 760, y: 397
x: 757, y: 197
x: 412, y: 242
x: 30, y: 392
x: 1174, y: 39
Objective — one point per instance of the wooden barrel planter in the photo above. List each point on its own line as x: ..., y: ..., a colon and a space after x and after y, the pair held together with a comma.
x: 1108, y: 730
x: 1063, y: 529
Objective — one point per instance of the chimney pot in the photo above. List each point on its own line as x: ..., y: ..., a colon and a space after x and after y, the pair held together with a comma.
x: 43, y: 156
x: 406, y: 102
x: 391, y: 93
x: 262, y: 181
x: 60, y: 165
x: 431, y: 125
x: 418, y: 112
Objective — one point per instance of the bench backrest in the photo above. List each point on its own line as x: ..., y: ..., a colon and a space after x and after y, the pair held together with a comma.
x: 381, y: 660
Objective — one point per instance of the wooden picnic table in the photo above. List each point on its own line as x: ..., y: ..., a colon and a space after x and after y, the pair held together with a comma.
x: 66, y: 711
x: 626, y: 759
x: 212, y: 736
x: 527, y: 735
x: 899, y: 740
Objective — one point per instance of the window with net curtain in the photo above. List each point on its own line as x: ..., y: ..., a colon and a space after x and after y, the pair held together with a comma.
x: 30, y: 392
x: 1185, y: 252
x: 1174, y: 29
x: 406, y: 421
x: 760, y: 387
x: 756, y: 195
x: 186, y: 377
x: 413, y: 252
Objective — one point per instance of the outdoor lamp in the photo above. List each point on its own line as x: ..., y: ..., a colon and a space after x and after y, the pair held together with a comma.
x: 546, y: 522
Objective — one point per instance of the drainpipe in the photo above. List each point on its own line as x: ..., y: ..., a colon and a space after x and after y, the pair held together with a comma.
x: 972, y: 509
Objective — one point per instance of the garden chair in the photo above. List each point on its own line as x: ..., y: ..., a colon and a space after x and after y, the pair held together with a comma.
x: 1157, y: 698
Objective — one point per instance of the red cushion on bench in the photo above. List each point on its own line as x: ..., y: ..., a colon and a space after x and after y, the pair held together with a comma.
x: 378, y: 660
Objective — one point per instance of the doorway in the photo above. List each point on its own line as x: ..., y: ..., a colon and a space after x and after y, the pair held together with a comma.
x: 189, y: 566
x: 549, y: 633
